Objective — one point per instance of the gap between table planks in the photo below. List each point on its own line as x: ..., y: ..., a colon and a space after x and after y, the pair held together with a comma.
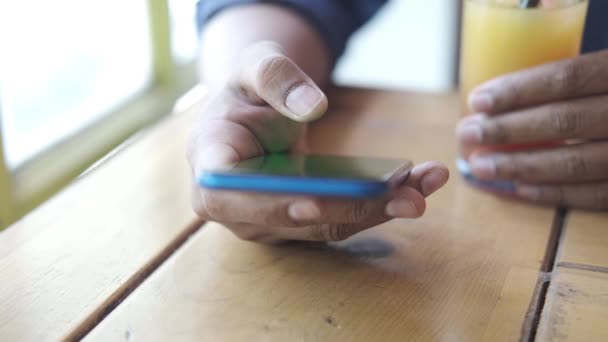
x: 576, y: 303
x: 70, y: 261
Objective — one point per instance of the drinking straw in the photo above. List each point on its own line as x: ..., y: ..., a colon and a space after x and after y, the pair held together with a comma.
x: 528, y: 3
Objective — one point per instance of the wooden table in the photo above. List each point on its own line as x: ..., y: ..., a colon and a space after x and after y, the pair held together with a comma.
x: 119, y: 255
x: 576, y: 307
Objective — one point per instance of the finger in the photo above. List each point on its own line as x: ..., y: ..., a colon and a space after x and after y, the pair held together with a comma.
x: 428, y: 177
x: 423, y: 180
x: 582, y: 76
x: 569, y: 164
x: 284, y: 210
x: 267, y: 75
x: 257, y: 233
x: 221, y: 143
x: 295, y: 211
x: 581, y: 118
x: 407, y: 201
x: 316, y: 219
x: 216, y: 155
x: 584, y: 196
x: 328, y: 231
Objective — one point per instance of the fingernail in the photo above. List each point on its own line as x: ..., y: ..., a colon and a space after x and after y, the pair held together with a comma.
x: 470, y: 133
x: 528, y: 191
x: 481, y: 102
x: 303, y: 99
x: 303, y: 211
x: 483, y: 167
x: 401, y: 208
x: 433, y: 181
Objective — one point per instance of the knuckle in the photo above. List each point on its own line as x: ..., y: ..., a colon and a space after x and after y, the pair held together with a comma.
x: 231, y: 111
x: 568, y: 77
x: 573, y: 164
x: 513, y: 168
x: 601, y: 197
x: 358, y: 211
x: 317, y: 233
x: 528, y: 166
x: 247, y: 233
x: 565, y: 121
x: 330, y: 232
x: 516, y: 170
x: 212, y: 205
x: 495, y: 133
x: 338, y: 231
x: 552, y: 195
x: 270, y: 69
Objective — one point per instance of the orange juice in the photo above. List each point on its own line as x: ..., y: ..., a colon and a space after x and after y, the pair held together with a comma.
x: 499, y: 37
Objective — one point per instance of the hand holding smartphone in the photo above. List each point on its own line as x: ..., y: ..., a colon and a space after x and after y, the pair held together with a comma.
x: 278, y: 198
x: 318, y: 175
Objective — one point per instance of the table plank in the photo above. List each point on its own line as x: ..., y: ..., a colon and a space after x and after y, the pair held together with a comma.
x: 585, y: 241
x: 576, y: 308
x: 466, y: 271
x: 64, y: 264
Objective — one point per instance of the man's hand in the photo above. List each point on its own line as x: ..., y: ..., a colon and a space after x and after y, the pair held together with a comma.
x: 549, y: 105
x: 263, y: 109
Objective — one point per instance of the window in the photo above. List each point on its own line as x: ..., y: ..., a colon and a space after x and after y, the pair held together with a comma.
x: 183, y: 30
x: 64, y: 64
x: 79, y: 77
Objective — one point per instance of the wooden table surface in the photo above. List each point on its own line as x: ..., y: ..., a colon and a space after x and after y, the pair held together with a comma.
x: 576, y: 307
x: 119, y: 255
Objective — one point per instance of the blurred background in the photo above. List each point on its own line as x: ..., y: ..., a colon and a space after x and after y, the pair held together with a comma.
x: 78, y: 78
x: 409, y: 44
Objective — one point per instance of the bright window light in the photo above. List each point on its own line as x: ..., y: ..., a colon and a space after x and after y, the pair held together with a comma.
x: 66, y: 63
x: 183, y: 30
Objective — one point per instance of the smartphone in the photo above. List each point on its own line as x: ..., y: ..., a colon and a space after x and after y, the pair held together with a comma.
x: 319, y: 175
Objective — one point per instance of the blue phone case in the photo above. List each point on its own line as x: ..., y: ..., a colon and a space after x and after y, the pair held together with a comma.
x: 294, y: 185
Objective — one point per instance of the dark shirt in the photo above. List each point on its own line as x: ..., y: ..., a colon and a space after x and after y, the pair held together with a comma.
x: 596, y: 27
x: 336, y: 20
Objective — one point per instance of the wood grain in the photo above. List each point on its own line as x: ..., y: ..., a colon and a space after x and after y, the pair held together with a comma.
x: 64, y: 264
x: 576, y: 308
x: 467, y: 270
x: 585, y: 241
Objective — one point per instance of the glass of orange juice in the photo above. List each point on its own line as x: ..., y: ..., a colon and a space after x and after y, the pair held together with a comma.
x: 502, y: 36
x: 499, y: 36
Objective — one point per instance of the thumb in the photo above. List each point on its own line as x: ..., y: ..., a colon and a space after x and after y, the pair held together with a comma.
x: 267, y: 75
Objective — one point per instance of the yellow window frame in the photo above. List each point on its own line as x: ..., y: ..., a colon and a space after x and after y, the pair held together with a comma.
x: 35, y: 181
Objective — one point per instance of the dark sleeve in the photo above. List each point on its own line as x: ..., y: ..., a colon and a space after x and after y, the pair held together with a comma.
x: 596, y: 26
x: 335, y: 20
